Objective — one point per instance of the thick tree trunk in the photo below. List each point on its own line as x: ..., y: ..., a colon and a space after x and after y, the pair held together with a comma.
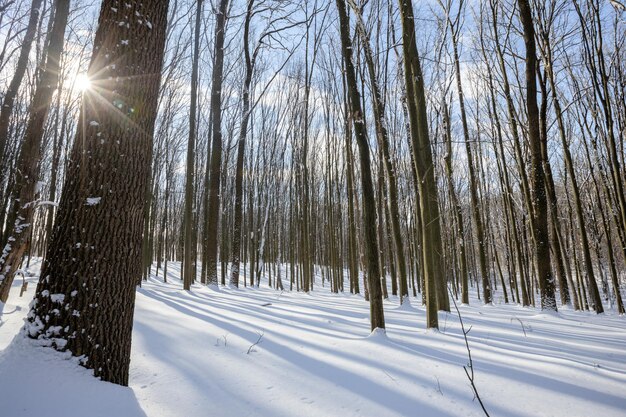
x: 85, y: 300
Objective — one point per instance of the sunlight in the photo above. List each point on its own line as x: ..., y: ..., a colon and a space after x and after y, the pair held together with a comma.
x: 82, y: 82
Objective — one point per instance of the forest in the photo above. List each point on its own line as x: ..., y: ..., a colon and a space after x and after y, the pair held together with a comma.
x: 392, y: 207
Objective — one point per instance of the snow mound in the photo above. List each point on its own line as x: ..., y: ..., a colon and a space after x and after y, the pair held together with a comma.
x: 56, y: 386
x: 407, y: 306
x: 378, y: 335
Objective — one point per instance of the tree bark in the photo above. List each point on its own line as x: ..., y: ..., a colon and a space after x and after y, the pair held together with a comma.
x: 85, y: 300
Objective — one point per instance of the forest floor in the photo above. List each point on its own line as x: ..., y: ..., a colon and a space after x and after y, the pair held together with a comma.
x: 261, y: 352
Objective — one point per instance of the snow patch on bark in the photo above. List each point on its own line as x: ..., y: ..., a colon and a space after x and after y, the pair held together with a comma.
x: 92, y: 201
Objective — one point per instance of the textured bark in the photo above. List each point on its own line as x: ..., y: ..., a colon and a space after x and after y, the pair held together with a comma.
x: 85, y: 299
x: 377, y: 318
x: 539, y: 215
x: 213, y: 209
x: 26, y: 189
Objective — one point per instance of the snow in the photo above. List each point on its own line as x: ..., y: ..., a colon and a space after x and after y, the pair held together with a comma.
x: 39, y: 381
x: 315, y: 356
x: 92, y: 201
x: 38, y: 187
x: 57, y: 298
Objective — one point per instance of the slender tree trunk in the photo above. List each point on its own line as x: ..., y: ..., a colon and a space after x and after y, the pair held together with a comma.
x: 213, y: 209
x: 555, y: 225
x: 377, y: 318
x: 383, y: 140
x: 456, y: 208
x: 27, y: 187
x: 8, y: 103
x: 539, y: 216
x: 189, y: 261
x: 18, y: 75
x: 353, y: 263
x: 435, y: 283
x: 241, y: 147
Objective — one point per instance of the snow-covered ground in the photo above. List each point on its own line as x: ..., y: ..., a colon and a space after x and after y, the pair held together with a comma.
x: 192, y: 356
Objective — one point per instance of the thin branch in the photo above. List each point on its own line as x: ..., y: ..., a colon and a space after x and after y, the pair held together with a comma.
x: 470, y: 373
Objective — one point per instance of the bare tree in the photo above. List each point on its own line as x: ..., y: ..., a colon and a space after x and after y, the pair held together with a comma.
x: 377, y: 318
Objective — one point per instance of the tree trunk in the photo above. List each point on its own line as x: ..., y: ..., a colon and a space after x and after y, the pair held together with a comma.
x: 377, y: 318
x: 213, y: 209
x: 27, y: 187
x: 20, y: 69
x: 85, y: 302
x: 383, y: 140
x: 539, y: 215
x: 435, y: 283
x: 189, y: 261
x: 241, y: 147
x: 473, y: 184
x: 456, y: 208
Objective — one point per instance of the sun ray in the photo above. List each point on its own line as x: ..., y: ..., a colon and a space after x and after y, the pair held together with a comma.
x: 82, y: 82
